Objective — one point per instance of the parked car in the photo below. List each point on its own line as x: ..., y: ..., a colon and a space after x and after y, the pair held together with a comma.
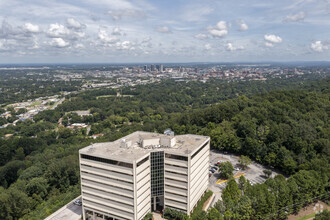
x: 236, y: 169
x: 77, y: 202
x: 215, y: 167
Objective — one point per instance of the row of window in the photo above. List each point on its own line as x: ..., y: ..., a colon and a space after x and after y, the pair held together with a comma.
x: 176, y: 157
x: 113, y: 179
x: 199, y: 150
x: 108, y: 161
x: 90, y: 213
x: 84, y: 179
x: 107, y: 208
x: 111, y: 171
x: 84, y: 188
x: 105, y: 198
x: 174, y: 208
x: 142, y: 161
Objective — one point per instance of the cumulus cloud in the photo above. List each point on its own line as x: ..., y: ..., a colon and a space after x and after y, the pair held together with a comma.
x: 133, y: 13
x: 272, y: 39
x: 105, y: 38
x: 7, y: 31
x: 220, y: 30
x: 125, y: 45
x: 57, y: 31
x: 59, y: 42
x: 201, y: 36
x: 242, y: 25
x: 267, y: 44
x: 163, y: 29
x: 318, y: 46
x: 116, y: 31
x: 207, y: 46
x: 231, y: 47
x: 31, y: 28
x: 296, y: 17
x: 72, y: 23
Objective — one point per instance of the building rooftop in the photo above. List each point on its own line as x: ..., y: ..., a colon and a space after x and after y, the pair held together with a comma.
x: 136, y: 145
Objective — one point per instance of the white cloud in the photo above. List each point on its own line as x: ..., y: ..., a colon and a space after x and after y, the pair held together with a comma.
x: 31, y: 28
x: 72, y: 23
x: 220, y: 30
x: 273, y: 38
x: 222, y: 25
x: 242, y: 25
x: 163, y: 29
x: 231, y: 47
x: 207, y: 46
x: 57, y: 31
x: 267, y: 44
x: 218, y: 33
x: 125, y: 45
x: 318, y: 46
x: 105, y: 38
x: 296, y: 17
x: 133, y: 13
x: 201, y: 36
x: 59, y: 42
x: 116, y: 31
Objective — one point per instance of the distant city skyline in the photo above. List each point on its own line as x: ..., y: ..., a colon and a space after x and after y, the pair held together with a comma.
x: 122, y: 31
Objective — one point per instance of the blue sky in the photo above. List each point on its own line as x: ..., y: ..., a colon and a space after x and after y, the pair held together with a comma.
x: 42, y: 31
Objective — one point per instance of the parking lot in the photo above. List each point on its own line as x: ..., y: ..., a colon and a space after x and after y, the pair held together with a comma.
x: 254, y: 172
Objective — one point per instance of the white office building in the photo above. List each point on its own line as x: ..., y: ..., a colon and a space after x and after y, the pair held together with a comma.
x: 143, y: 172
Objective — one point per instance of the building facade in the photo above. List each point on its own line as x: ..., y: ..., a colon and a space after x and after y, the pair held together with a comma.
x: 143, y: 172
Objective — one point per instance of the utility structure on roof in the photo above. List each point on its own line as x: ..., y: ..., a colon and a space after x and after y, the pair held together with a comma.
x: 143, y: 172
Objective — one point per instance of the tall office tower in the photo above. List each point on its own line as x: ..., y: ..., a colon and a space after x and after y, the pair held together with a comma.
x: 161, y: 68
x: 158, y: 67
x: 145, y: 67
x: 143, y: 172
x: 152, y: 67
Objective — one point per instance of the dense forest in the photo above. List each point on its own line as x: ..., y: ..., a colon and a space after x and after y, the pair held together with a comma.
x: 281, y: 124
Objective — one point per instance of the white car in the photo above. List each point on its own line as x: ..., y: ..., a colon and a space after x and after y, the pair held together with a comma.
x: 77, y: 202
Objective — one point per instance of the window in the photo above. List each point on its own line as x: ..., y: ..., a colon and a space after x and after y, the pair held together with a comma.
x: 142, y: 161
x: 176, y: 157
x: 157, y: 173
x: 200, y: 149
x: 103, y: 160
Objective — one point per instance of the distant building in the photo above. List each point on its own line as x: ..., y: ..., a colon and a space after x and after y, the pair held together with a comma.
x: 94, y: 136
x: 152, y: 67
x: 145, y: 68
x: 143, y: 172
x: 161, y: 69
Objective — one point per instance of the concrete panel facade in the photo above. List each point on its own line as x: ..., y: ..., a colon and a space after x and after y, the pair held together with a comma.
x: 116, y: 179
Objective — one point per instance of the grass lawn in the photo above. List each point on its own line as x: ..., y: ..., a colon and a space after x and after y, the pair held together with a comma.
x: 35, y: 103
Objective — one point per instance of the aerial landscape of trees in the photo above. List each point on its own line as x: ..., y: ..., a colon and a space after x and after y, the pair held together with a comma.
x: 280, y: 124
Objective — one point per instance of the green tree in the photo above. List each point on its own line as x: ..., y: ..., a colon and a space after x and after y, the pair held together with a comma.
x: 242, y: 184
x: 267, y: 173
x: 244, y: 161
x: 226, y: 170
x: 231, y: 194
x: 37, y: 186
x: 324, y: 215
x: 214, y: 214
